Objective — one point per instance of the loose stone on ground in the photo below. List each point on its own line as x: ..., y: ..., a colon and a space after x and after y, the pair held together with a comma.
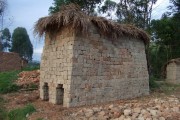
x: 154, y: 109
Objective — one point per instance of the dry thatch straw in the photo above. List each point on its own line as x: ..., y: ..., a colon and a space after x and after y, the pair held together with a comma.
x: 73, y: 15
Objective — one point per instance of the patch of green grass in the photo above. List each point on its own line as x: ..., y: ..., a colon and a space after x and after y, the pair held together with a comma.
x: 7, y: 81
x: 3, y: 112
x: 168, y: 88
x: 33, y: 86
x: 32, y: 66
x: 21, y: 113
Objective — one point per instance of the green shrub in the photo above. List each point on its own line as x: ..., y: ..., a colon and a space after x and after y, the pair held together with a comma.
x: 152, y: 83
x: 21, y: 113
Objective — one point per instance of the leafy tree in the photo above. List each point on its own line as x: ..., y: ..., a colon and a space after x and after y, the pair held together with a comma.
x: 175, y: 8
x: 107, y: 8
x: 137, y: 12
x: 21, y: 43
x: 6, y: 37
x: 3, y: 4
x: 87, y: 5
x: 5, y: 40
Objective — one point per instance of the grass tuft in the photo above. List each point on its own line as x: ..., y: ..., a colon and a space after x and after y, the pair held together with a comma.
x: 7, y: 81
x: 3, y: 112
x: 21, y: 113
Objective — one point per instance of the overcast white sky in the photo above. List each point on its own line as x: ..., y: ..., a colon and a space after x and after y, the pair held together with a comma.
x: 24, y: 13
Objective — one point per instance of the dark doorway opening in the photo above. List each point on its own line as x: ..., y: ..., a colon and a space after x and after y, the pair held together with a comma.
x: 59, y: 94
x: 46, y: 92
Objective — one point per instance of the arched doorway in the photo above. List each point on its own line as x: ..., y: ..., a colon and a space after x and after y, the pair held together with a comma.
x: 59, y: 94
x: 45, y: 92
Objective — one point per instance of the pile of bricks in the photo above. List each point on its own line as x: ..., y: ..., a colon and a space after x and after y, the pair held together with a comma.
x: 28, y: 78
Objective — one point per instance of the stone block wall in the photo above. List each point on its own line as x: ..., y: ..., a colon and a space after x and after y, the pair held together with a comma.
x: 93, y: 69
x: 106, y: 71
x: 56, y: 66
x: 10, y: 61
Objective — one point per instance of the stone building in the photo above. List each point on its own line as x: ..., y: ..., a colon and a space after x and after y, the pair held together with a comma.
x: 173, y: 71
x: 11, y: 61
x: 88, y: 60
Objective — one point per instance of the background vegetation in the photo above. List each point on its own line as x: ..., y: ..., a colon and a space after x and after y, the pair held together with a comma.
x: 165, y: 44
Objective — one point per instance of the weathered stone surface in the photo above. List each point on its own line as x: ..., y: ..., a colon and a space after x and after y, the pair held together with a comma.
x: 89, y: 112
x: 175, y: 109
x: 141, y: 118
x: 161, y: 118
x: 111, y: 106
x: 135, y: 115
x: 117, y: 114
x: 122, y: 117
x: 127, y: 112
x: 96, y: 109
x: 102, y: 113
x: 148, y: 118
x: 153, y: 112
x: 127, y: 118
x: 137, y: 110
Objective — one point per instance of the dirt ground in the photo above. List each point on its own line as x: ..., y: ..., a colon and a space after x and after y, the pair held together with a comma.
x: 48, y: 111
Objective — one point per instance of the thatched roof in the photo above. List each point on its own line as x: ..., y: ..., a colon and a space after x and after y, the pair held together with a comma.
x: 177, y: 61
x: 73, y: 15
